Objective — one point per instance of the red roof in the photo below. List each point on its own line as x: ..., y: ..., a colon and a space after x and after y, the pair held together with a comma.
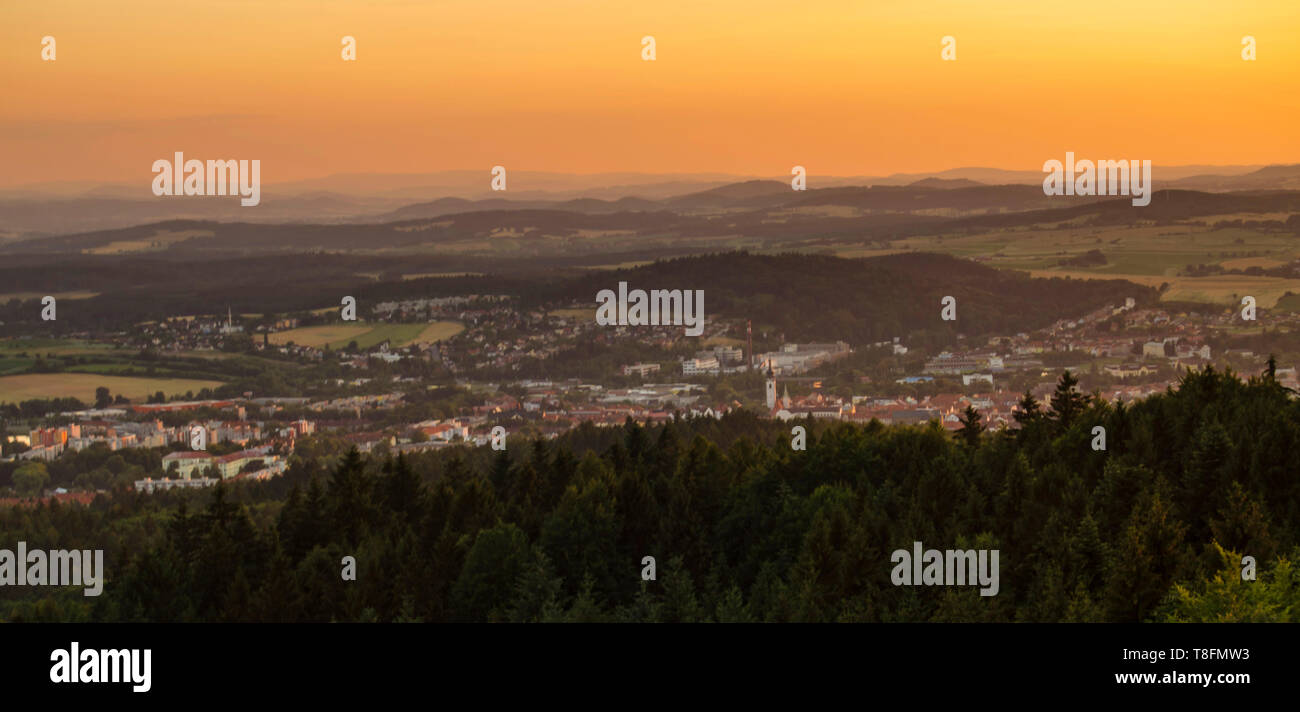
x: 187, y: 455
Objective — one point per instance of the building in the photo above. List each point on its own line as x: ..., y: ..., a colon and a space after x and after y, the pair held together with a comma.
x: 640, y: 369
x: 149, y: 485
x: 447, y: 432
x: 1128, y: 370
x: 187, y: 463
x: 230, y: 465
x: 726, y: 355
x: 699, y: 366
x: 797, y: 358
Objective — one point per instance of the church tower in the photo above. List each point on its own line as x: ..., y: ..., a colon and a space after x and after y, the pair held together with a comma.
x: 771, y: 387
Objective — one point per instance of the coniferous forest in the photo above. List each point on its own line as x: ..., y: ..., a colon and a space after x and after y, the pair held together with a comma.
x: 742, y: 527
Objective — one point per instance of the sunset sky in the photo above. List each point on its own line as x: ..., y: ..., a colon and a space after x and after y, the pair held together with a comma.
x: 748, y: 87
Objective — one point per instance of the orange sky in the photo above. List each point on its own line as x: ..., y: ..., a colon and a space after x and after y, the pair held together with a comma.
x: 750, y: 87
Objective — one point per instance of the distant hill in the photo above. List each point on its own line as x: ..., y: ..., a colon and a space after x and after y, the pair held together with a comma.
x: 945, y: 183
x: 78, y: 207
x: 754, y: 216
x: 813, y: 297
x: 1267, y: 178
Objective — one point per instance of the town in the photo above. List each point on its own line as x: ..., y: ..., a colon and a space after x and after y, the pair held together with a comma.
x: 384, y: 388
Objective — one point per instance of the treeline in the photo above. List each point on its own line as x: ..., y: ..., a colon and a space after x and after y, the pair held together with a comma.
x: 743, y: 527
x: 39, y: 407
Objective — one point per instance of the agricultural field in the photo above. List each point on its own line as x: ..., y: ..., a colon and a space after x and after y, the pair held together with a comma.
x: 319, y: 336
x: 588, y: 314
x: 395, y: 334
x: 11, y: 348
x: 25, y: 296
x: 1149, y: 255
x: 439, y: 275
x: 160, y: 240
x: 338, y: 336
x: 19, y: 356
x: 439, y: 331
x: 1290, y: 302
x: 28, y: 386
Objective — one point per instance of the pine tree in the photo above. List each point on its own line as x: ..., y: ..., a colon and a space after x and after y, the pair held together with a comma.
x: 347, y: 500
x: 402, y: 491
x: 1067, y: 402
x: 1208, y: 471
x: 536, y: 592
x: 971, y: 427
x: 1242, y: 525
x: 1147, y: 559
x: 732, y: 608
x: 495, y: 561
x: 679, y: 602
x: 586, y: 606
x: 1027, y: 410
x: 500, y: 473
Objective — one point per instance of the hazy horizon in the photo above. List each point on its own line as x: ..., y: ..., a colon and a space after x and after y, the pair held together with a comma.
x: 842, y: 88
x: 556, y: 181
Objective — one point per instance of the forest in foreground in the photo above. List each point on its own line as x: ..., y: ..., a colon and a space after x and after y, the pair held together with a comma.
x: 742, y: 526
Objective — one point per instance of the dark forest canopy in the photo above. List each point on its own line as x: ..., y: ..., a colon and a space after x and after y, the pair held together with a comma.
x: 809, y: 297
x: 742, y: 527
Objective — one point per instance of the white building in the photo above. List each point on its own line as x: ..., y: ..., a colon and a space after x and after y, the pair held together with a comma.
x: 699, y: 366
x: 187, y: 463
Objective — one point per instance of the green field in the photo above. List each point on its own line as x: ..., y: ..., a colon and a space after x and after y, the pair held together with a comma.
x: 10, y: 348
x: 19, y: 355
x: 396, y: 334
x: 28, y: 386
x: 1291, y: 303
x: 13, y: 365
x: 1150, y: 255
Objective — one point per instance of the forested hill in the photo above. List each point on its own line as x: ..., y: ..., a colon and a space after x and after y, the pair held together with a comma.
x: 815, y: 297
x: 743, y: 527
x: 806, y: 297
